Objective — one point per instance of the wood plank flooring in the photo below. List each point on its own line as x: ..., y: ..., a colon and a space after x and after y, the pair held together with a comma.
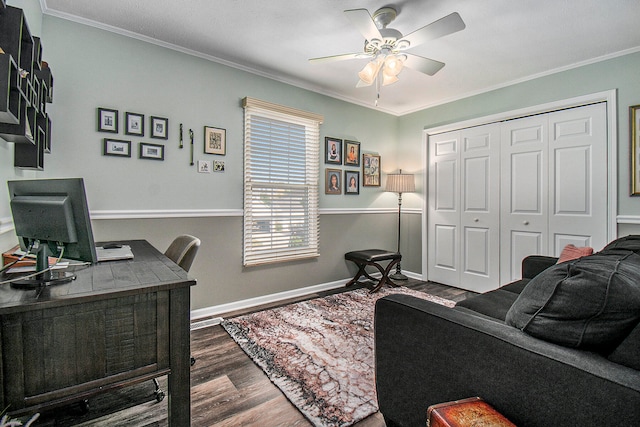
x: 227, y: 388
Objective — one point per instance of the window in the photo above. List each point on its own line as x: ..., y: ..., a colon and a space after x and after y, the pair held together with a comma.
x: 281, y: 157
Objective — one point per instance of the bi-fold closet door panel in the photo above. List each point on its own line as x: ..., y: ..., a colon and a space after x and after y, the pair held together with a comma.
x: 554, y: 184
x: 464, y: 208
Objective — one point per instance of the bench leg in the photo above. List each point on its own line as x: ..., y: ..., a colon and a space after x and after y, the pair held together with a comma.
x: 385, y: 276
x: 380, y: 282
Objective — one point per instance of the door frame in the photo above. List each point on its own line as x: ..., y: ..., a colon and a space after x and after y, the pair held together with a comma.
x: 609, y: 97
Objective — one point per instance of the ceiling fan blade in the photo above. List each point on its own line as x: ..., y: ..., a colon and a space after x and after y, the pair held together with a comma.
x: 424, y: 65
x: 363, y: 84
x: 362, y: 20
x: 442, y: 27
x: 336, y: 57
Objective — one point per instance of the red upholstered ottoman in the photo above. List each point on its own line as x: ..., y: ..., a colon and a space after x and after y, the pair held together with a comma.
x: 373, y: 257
x: 472, y: 412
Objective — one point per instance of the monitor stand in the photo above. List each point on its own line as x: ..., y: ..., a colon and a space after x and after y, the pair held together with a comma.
x: 48, y: 277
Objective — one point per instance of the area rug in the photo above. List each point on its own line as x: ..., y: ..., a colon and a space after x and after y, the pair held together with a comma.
x: 320, y: 352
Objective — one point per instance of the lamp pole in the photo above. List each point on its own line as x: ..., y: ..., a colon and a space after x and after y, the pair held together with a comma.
x: 400, y: 183
x: 398, y: 274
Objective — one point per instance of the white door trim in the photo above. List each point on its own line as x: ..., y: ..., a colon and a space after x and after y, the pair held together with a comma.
x: 609, y: 96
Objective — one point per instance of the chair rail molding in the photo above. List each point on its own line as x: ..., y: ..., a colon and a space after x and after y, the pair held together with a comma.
x: 628, y: 219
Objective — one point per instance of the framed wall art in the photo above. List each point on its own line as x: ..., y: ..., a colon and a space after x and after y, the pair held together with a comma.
x: 159, y: 127
x: 634, y: 116
x: 215, y: 141
x: 107, y: 120
x: 332, y: 150
x: 351, y: 153
x: 151, y: 151
x: 370, y: 170
x: 351, y: 182
x: 134, y: 124
x: 116, y: 147
x: 332, y: 181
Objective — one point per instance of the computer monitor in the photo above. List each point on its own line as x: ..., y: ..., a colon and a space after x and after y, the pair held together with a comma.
x: 48, y: 215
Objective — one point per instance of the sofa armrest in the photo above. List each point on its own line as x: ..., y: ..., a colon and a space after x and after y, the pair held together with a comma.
x: 426, y: 353
x: 536, y: 264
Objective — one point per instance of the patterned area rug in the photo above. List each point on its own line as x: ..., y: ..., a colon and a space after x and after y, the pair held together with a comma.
x: 320, y: 352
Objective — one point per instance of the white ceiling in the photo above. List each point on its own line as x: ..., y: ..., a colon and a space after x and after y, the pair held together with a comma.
x: 505, y: 41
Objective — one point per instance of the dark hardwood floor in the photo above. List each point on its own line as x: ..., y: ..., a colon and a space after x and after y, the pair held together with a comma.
x: 227, y: 388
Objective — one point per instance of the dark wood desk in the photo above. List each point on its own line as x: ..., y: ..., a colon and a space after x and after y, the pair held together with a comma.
x: 118, y: 323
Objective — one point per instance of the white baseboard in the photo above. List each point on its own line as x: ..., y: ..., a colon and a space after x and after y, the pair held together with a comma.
x: 212, y: 314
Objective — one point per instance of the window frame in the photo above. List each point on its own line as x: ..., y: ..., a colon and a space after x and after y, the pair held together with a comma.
x: 282, y: 183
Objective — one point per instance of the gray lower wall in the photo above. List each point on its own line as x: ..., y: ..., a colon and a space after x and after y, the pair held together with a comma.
x: 218, y: 266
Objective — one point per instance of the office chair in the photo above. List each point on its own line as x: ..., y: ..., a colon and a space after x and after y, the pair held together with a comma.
x: 182, y: 251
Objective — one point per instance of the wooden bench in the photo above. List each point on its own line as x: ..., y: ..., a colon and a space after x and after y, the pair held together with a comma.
x: 373, y: 257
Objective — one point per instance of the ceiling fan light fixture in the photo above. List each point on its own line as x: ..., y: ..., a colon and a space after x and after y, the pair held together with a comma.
x: 388, y: 79
x: 393, y: 64
x: 370, y: 71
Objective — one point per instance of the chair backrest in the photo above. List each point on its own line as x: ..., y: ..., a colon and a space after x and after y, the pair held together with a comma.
x: 183, y: 250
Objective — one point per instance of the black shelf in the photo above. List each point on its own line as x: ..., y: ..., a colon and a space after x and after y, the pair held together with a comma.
x: 10, y: 99
x: 26, y: 86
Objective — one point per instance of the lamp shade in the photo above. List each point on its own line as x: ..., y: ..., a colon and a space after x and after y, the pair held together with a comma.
x: 400, y: 183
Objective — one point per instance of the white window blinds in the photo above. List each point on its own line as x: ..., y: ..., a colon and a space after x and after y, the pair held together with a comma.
x: 281, y: 157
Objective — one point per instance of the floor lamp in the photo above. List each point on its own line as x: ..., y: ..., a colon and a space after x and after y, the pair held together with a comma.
x: 400, y: 183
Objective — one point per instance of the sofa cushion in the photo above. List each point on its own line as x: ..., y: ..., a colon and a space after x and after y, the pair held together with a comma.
x: 570, y: 252
x: 628, y: 352
x: 517, y: 286
x: 591, y: 303
x: 494, y: 304
x: 629, y: 243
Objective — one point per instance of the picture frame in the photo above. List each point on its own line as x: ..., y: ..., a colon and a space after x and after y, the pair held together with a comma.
x: 107, y: 120
x: 215, y: 141
x: 371, y: 170
x: 204, y: 166
x: 332, y: 187
x: 218, y: 166
x: 351, y: 153
x: 351, y: 182
x: 151, y: 151
x: 634, y: 132
x: 332, y: 150
x: 159, y: 127
x: 134, y: 124
x: 116, y: 147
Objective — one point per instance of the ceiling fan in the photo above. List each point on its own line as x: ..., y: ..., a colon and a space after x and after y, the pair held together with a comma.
x: 386, y: 46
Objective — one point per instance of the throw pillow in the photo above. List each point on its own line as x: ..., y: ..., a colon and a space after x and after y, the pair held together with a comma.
x: 574, y: 252
x: 590, y: 303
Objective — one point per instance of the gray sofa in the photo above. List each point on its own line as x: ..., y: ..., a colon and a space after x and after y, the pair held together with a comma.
x: 501, y: 347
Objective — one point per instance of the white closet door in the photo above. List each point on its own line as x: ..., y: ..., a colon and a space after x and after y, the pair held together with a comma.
x: 578, y: 178
x: 480, y: 208
x: 524, y: 169
x: 444, y: 208
x: 464, y: 208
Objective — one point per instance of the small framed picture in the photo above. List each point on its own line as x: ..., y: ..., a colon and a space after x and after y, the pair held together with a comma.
x: 332, y: 150
x: 351, y: 153
x: 332, y: 181
x: 218, y: 166
x: 116, y: 147
x: 134, y: 124
x: 151, y: 151
x: 351, y: 182
x: 204, y: 166
x: 215, y: 141
x: 159, y: 127
x: 370, y: 170
x: 634, y: 132
x: 107, y: 120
